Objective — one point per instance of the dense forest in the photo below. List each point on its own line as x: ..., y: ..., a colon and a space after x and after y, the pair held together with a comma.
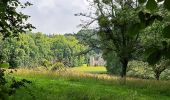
x: 132, y: 37
x: 35, y: 50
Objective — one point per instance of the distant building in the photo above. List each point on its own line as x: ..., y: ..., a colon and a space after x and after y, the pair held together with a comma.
x: 97, y: 60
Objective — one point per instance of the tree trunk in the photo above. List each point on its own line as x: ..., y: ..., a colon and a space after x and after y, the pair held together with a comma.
x: 124, y: 68
x: 157, y: 75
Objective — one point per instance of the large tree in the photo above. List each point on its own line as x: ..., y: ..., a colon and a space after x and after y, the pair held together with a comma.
x: 115, y: 19
x: 11, y: 23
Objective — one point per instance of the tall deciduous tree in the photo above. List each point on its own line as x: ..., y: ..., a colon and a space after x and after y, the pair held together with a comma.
x: 11, y: 23
x: 115, y: 19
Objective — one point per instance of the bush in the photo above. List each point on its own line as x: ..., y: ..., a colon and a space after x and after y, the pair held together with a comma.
x: 4, y: 65
x: 46, y: 63
x: 166, y: 74
x: 8, y: 88
x: 140, y: 69
x: 58, y: 66
x: 113, y: 64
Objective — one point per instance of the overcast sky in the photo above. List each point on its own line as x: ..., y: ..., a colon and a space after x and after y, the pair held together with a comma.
x: 56, y: 16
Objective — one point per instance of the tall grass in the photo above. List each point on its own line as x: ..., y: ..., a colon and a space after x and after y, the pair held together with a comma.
x: 77, y: 85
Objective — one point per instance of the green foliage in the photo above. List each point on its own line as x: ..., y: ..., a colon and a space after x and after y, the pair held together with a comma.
x: 165, y: 75
x: 3, y: 82
x: 107, y: 1
x: 134, y: 29
x: 11, y: 21
x: 32, y: 49
x: 58, y: 66
x: 46, y: 63
x: 4, y: 65
x: 65, y: 48
x: 103, y: 21
x: 151, y: 5
x: 167, y: 4
x: 8, y: 88
x: 113, y: 64
x: 160, y: 67
x: 142, y: 1
x: 143, y: 70
x: 160, y: 0
x: 166, y: 32
x: 156, y: 53
x: 115, y: 30
x: 140, y: 69
x: 160, y: 51
x: 127, y: 30
x: 147, y: 19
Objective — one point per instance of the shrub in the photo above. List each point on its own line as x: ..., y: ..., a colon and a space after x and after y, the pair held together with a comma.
x: 166, y: 74
x: 4, y: 65
x: 58, y: 66
x: 140, y: 69
x: 9, y: 88
x: 113, y: 64
x: 46, y: 63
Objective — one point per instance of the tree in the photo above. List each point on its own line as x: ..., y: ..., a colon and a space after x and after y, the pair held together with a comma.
x: 65, y: 49
x: 156, y: 10
x: 152, y: 38
x: 161, y: 66
x: 90, y: 38
x: 114, y: 29
x: 11, y: 23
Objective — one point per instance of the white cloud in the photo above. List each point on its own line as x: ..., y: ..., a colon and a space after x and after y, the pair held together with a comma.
x: 56, y: 16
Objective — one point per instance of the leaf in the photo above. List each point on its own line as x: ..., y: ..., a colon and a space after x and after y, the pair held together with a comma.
x: 141, y: 1
x: 106, y: 1
x: 151, y: 5
x: 164, y: 43
x: 150, y: 21
x: 147, y: 15
x: 141, y: 16
x: 166, y: 32
x: 134, y: 29
x: 149, y: 50
x: 160, y: 0
x: 154, y: 57
x: 153, y: 18
x: 167, y: 52
x: 4, y: 65
x: 158, y: 17
x: 167, y: 4
x: 103, y: 21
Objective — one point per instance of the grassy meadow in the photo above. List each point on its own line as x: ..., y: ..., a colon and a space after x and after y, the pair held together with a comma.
x: 78, y: 84
x: 94, y: 70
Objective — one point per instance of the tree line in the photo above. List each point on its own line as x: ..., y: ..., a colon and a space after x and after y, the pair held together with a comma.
x: 37, y: 49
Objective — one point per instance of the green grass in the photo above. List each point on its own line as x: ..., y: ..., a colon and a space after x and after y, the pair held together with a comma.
x: 73, y: 86
x: 90, y: 69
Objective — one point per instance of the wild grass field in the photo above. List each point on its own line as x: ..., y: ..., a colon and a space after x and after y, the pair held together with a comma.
x: 77, y: 84
x: 91, y: 69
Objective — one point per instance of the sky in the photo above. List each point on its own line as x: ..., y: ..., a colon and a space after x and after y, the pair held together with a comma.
x: 56, y: 16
